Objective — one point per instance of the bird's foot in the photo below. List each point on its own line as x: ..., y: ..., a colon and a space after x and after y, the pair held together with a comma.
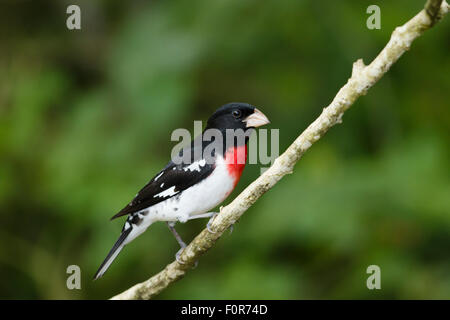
x: 208, y: 225
x: 178, y: 254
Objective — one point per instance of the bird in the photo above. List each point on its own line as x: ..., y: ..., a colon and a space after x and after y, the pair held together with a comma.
x: 189, y: 189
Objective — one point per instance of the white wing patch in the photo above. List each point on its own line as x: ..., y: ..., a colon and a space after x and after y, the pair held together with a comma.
x: 159, y: 175
x: 196, y: 165
x: 167, y: 193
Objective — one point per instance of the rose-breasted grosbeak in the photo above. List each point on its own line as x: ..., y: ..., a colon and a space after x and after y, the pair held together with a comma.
x: 188, y: 190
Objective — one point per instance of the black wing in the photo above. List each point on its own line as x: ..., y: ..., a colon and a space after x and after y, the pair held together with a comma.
x: 169, y: 182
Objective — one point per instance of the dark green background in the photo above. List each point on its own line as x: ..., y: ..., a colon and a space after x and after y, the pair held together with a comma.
x: 86, y: 118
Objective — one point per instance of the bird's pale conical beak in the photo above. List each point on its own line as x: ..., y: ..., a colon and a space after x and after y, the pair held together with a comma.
x: 256, y: 119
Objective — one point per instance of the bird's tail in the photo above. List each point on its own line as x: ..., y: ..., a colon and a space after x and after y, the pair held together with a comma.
x: 115, y: 250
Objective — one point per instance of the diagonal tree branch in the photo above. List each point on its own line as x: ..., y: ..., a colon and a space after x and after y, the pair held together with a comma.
x: 362, y: 79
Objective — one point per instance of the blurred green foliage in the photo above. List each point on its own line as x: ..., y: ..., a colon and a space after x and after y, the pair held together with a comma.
x: 86, y: 118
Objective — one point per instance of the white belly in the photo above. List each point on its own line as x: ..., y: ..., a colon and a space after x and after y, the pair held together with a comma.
x: 197, y: 199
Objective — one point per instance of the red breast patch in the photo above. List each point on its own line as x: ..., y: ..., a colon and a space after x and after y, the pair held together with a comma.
x: 235, y: 158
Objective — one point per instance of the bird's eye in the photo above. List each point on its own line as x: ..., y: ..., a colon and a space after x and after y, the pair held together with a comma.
x: 237, y: 113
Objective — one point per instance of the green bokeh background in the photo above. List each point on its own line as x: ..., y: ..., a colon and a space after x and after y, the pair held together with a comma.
x: 86, y: 118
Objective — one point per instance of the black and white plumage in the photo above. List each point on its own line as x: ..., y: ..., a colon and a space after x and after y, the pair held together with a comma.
x: 181, y: 192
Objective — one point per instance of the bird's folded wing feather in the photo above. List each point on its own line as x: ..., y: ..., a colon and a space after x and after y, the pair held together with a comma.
x: 169, y: 182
